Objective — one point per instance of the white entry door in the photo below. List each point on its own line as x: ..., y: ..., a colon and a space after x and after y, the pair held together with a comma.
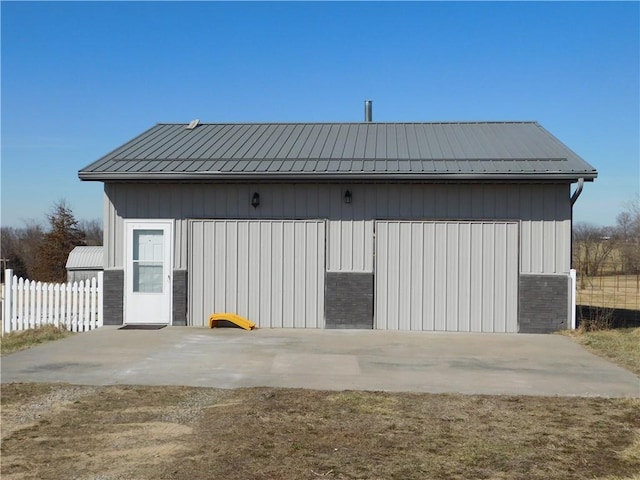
x: 148, y: 272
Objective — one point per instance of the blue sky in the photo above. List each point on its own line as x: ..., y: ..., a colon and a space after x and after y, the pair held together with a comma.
x: 81, y: 78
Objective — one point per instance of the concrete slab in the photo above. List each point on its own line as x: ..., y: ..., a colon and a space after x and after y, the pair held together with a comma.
x: 315, y: 364
x: 506, y: 364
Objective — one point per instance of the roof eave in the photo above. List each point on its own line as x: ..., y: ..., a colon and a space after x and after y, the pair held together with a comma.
x: 333, y: 176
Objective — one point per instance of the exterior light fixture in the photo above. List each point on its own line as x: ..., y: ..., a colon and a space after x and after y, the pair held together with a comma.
x: 347, y: 197
x: 255, y: 200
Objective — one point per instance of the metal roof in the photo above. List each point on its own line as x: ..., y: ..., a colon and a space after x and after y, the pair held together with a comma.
x: 85, y: 258
x: 342, y: 151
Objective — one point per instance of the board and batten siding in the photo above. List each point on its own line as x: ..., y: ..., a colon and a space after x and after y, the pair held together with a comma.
x: 455, y: 276
x: 543, y: 210
x: 269, y: 271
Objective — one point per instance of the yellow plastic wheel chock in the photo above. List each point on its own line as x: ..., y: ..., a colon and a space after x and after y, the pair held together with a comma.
x: 233, y: 318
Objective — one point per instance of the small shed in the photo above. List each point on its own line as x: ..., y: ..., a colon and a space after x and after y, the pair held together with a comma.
x: 84, y: 263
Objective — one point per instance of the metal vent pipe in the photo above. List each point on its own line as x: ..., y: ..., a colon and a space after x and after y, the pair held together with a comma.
x: 367, y: 111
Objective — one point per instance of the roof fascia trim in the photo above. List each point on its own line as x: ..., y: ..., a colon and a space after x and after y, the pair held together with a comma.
x: 343, y: 176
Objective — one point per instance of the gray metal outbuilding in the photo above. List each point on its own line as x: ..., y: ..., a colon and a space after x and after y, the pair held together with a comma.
x: 84, y: 263
x: 403, y: 226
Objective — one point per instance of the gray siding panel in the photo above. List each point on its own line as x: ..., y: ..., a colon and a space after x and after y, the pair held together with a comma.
x: 82, y: 275
x: 271, y: 272
x: 446, y: 276
x: 112, y: 227
x: 543, y: 210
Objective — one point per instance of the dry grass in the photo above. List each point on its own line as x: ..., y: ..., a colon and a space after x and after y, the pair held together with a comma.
x: 116, y: 432
x: 15, y: 341
x: 621, y: 346
x: 612, y: 291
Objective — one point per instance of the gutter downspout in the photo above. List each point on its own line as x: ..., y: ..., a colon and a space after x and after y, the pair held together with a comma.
x: 572, y: 271
x: 573, y: 200
x: 577, y: 193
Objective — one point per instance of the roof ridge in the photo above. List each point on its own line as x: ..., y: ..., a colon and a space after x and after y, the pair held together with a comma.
x: 461, y: 122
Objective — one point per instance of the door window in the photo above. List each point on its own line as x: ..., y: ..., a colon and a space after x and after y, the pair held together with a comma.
x: 148, y: 256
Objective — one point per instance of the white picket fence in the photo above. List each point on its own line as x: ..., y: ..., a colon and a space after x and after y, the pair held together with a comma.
x: 29, y: 304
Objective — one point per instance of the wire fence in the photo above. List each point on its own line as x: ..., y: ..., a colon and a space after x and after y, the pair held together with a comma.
x: 610, y: 291
x: 609, y: 297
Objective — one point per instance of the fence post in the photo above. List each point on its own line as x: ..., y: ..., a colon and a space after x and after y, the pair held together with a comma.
x: 38, y: 315
x: 69, y: 307
x: 93, y: 301
x: 22, y: 299
x: 75, y: 288
x: 49, y: 304
x: 63, y: 305
x: 6, y: 301
x: 100, y: 297
x: 56, y: 305
x: 32, y: 305
x: 86, y: 321
x: 572, y: 295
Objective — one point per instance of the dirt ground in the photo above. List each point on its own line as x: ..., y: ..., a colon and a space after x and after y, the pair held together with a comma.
x: 130, y: 432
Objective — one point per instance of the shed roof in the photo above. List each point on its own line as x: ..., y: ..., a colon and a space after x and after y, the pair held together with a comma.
x: 85, y: 258
x: 295, y: 151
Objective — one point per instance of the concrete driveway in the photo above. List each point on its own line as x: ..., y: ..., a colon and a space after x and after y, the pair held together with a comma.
x: 325, y: 359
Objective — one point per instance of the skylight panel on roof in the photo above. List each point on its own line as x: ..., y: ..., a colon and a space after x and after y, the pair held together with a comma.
x: 193, y: 124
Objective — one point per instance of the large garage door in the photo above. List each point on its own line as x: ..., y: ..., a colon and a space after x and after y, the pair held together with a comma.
x: 271, y: 272
x: 447, y: 276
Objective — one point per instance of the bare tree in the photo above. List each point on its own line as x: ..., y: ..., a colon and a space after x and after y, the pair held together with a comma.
x: 593, y: 246
x: 92, y: 230
x: 19, y: 246
x: 628, y: 235
x: 10, y: 251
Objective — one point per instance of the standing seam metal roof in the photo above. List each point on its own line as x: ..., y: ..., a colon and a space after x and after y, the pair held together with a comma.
x: 342, y: 150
